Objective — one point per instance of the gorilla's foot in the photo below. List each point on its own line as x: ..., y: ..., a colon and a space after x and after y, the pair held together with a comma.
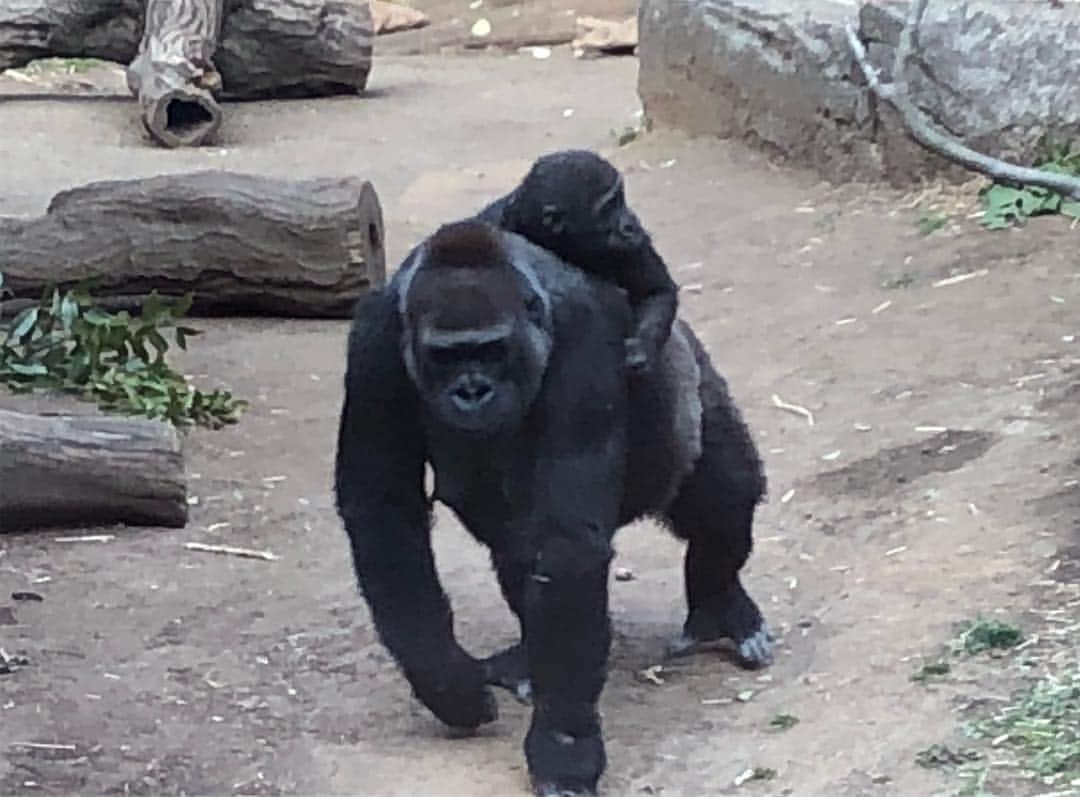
x: 509, y: 669
x: 737, y: 621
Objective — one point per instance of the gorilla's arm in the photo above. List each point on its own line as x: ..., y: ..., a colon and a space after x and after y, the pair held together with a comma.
x: 379, y: 483
x: 576, y: 488
x: 655, y: 297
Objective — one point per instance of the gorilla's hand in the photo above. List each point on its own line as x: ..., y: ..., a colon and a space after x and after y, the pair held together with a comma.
x: 454, y: 690
x: 637, y: 356
x: 561, y: 764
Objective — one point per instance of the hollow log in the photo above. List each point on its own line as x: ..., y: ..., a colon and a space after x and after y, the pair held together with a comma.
x: 173, y: 74
x: 89, y: 470
x: 240, y: 243
x: 267, y: 48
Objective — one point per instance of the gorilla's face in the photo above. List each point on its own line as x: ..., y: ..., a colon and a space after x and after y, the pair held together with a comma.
x: 472, y: 350
x: 573, y: 203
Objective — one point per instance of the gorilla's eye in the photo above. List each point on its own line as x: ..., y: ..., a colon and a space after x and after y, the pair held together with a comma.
x: 444, y: 355
x: 491, y: 351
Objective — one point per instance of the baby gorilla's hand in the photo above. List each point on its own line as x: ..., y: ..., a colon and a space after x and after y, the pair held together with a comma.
x: 637, y: 360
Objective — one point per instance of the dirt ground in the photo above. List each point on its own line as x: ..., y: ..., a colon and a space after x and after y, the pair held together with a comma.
x: 164, y: 671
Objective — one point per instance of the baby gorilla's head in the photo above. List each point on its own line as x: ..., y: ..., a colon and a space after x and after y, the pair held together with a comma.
x: 572, y: 203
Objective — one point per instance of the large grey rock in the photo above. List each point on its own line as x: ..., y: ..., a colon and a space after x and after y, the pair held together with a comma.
x: 1002, y: 76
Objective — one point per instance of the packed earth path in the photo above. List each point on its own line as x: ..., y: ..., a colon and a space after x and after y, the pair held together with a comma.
x: 935, y: 484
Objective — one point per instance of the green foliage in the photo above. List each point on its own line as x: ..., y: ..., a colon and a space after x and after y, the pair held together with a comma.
x: 782, y: 722
x: 905, y: 280
x: 931, y: 222
x: 982, y: 635
x: 931, y: 670
x: 67, y: 343
x: 1006, y: 205
x: 941, y: 755
x: 70, y: 66
x: 1043, y: 727
x: 627, y: 135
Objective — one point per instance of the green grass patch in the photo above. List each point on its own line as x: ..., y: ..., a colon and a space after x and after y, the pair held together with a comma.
x: 69, y: 344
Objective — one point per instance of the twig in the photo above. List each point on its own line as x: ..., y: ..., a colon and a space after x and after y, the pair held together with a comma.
x: 230, y: 550
x: 69, y: 748
x: 87, y: 538
x: 779, y: 403
x: 956, y: 280
x: 922, y: 130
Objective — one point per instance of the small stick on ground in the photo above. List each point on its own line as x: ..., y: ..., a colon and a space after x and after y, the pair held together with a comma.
x: 956, y: 280
x: 779, y: 403
x: 230, y: 550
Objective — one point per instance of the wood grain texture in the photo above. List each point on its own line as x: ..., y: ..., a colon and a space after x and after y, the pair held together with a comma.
x: 89, y: 470
x: 241, y: 243
x: 267, y: 48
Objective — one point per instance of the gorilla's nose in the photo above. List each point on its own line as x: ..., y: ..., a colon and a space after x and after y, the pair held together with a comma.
x: 472, y: 392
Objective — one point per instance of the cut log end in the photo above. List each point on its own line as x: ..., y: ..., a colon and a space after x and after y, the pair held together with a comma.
x: 183, y: 117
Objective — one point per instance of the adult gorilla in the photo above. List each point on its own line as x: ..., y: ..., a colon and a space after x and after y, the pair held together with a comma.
x: 504, y: 368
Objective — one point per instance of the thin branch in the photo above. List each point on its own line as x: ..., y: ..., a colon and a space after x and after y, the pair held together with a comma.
x: 922, y: 129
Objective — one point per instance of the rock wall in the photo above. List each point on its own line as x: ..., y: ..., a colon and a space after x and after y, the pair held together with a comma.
x: 1002, y: 76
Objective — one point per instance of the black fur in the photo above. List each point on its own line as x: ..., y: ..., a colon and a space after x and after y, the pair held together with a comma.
x: 544, y: 486
x: 571, y: 203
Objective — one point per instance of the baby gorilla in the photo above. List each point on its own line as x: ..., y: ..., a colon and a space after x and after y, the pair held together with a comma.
x: 572, y: 204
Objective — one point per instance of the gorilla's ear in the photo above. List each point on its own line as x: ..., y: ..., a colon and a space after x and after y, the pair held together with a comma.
x: 553, y: 219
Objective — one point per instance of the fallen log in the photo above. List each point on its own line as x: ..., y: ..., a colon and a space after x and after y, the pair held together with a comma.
x: 173, y: 74
x: 240, y: 243
x: 294, y: 48
x: 89, y: 470
x: 267, y: 48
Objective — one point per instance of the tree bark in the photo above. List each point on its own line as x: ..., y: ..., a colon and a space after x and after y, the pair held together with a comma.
x: 267, y: 48
x: 173, y: 74
x: 240, y: 243
x: 295, y: 48
x: 89, y: 470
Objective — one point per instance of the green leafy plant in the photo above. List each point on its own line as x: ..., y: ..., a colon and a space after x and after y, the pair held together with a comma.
x: 70, y: 66
x: 931, y: 670
x: 67, y: 343
x: 1006, y: 205
x: 782, y: 722
x: 931, y: 222
x: 905, y: 280
x: 982, y: 635
x: 941, y: 755
x: 1042, y: 726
